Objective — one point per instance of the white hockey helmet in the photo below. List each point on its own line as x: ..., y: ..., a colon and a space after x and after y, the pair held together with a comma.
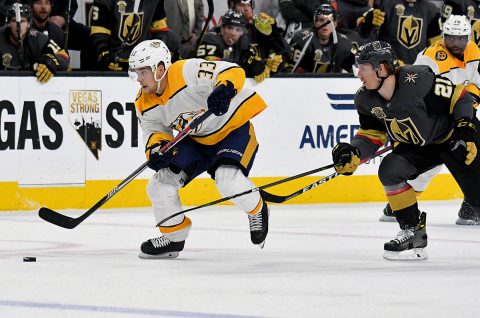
x: 457, y: 25
x: 149, y: 53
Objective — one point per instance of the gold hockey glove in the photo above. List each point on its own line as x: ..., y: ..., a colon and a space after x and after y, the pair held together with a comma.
x: 378, y: 17
x: 464, y: 139
x: 262, y: 76
x: 263, y: 23
x: 46, y: 67
x: 346, y: 158
x: 108, y: 62
x: 274, y: 61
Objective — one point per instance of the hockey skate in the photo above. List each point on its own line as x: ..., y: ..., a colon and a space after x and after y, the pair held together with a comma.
x: 388, y: 215
x: 409, y: 244
x: 259, y: 226
x: 160, y: 247
x: 468, y: 215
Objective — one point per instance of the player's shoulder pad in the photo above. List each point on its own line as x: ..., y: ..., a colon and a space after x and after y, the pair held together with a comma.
x: 300, y: 37
x: 362, y: 99
x: 416, y: 79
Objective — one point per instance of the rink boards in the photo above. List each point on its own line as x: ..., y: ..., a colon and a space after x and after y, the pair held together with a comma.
x: 69, y: 142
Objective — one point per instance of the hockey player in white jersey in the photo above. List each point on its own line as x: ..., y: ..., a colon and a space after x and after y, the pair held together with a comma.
x: 224, y: 145
x: 457, y: 58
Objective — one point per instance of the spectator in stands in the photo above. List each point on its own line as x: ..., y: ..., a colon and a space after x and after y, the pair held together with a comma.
x: 41, y: 10
x: 26, y: 49
x: 263, y: 33
x: 185, y: 19
x: 409, y: 26
x: 117, y: 26
x: 231, y: 44
x: 321, y: 49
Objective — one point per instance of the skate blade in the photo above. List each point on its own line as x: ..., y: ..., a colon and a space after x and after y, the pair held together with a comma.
x: 461, y: 221
x: 385, y: 218
x: 414, y: 254
x: 261, y: 245
x: 159, y: 256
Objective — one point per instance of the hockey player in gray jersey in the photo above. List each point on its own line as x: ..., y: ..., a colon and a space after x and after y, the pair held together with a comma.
x: 432, y: 121
x: 322, y: 49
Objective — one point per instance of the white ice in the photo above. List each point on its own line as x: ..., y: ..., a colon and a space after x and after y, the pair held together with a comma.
x: 318, y: 261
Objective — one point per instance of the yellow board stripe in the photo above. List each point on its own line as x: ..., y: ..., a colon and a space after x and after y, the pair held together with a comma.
x: 202, y: 190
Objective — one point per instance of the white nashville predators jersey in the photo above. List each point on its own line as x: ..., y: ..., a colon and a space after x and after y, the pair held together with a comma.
x: 443, y: 63
x: 189, y: 83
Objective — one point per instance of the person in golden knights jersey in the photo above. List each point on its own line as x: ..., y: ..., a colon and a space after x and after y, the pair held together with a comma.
x: 432, y: 121
x: 224, y: 145
x: 457, y: 58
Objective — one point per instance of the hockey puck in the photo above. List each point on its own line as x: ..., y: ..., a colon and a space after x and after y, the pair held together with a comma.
x: 29, y: 259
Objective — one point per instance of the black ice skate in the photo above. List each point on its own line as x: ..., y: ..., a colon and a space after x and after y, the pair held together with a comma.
x: 468, y: 215
x: 160, y: 247
x: 409, y: 243
x: 388, y: 215
x: 259, y: 226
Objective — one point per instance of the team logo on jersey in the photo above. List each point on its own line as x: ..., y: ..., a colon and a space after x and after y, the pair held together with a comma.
x: 410, y: 78
x: 404, y: 131
x: 378, y: 111
x: 409, y: 31
x: 122, y: 6
x: 400, y: 9
x: 476, y: 32
x: 7, y: 60
x: 184, y: 119
x: 441, y: 56
x: 85, y: 115
x: 131, y: 27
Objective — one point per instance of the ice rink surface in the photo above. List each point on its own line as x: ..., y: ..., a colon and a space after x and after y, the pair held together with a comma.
x: 318, y: 261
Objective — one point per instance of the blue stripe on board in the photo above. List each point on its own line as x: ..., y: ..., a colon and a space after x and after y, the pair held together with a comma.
x: 341, y: 96
x: 120, y: 310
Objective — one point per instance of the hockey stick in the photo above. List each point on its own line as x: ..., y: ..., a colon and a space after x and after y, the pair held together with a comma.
x: 269, y: 197
x: 272, y: 197
x: 248, y: 192
x: 69, y: 222
x: 205, y: 27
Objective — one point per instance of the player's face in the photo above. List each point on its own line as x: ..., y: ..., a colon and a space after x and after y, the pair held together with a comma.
x: 456, y: 43
x: 245, y: 9
x: 24, y: 25
x: 146, y: 79
x: 231, y: 34
x: 325, y: 31
x: 41, y: 10
x: 367, y: 75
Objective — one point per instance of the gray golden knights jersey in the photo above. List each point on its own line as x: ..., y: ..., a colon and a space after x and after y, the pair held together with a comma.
x: 190, y: 82
x: 320, y: 58
x: 421, y: 111
x: 408, y: 26
x: 123, y: 24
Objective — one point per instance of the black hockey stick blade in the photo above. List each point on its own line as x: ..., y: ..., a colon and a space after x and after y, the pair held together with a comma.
x: 59, y: 219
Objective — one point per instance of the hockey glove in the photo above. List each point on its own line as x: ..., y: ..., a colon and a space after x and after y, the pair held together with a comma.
x: 219, y: 100
x: 265, y: 74
x: 346, y: 158
x: 46, y: 67
x: 157, y: 160
x: 108, y: 62
x: 378, y: 17
x: 464, y: 139
x: 274, y: 61
x: 263, y: 23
